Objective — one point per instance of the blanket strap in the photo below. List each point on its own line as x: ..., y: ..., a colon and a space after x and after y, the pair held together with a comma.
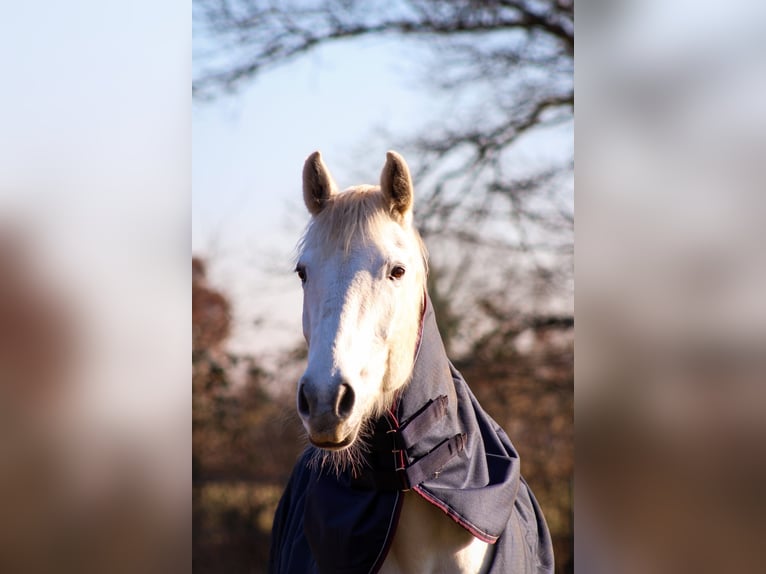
x: 413, y: 429
x: 431, y: 464
x: 399, y: 475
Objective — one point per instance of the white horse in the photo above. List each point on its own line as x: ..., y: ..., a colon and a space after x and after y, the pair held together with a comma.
x: 363, y: 296
x: 407, y: 473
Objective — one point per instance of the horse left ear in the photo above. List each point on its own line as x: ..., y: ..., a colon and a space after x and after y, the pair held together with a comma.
x: 318, y: 185
x: 396, y: 185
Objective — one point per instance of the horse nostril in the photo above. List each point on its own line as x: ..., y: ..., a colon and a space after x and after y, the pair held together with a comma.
x: 303, y: 403
x: 345, y: 402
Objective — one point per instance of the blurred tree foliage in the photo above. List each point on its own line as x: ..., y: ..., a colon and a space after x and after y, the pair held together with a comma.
x: 245, y: 441
x: 244, y: 444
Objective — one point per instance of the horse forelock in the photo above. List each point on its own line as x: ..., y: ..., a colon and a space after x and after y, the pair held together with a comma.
x: 355, y: 216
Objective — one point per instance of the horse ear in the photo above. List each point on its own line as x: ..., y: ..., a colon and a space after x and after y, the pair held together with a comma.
x: 318, y: 184
x: 396, y: 184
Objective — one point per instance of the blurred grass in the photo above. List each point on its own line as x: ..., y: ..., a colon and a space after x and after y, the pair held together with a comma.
x: 232, y: 525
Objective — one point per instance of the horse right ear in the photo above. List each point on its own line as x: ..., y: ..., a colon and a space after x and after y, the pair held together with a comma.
x: 396, y: 185
x: 318, y: 185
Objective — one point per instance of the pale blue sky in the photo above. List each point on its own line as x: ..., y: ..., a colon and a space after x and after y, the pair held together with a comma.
x: 88, y: 97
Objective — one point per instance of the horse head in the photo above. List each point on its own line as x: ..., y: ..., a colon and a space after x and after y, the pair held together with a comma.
x: 363, y: 268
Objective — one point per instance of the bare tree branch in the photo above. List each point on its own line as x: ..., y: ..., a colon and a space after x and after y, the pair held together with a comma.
x: 254, y: 35
x: 508, y: 66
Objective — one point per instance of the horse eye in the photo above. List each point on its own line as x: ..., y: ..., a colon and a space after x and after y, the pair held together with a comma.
x: 301, y: 271
x: 397, y: 272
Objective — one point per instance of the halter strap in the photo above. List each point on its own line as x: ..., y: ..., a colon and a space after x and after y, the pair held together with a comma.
x: 391, y: 444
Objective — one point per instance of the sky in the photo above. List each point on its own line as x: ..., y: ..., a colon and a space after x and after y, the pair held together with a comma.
x: 248, y: 154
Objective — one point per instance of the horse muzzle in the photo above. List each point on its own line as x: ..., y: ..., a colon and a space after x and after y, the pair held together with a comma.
x: 325, y: 414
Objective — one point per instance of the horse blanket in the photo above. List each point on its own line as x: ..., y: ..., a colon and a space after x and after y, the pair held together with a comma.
x: 437, y: 441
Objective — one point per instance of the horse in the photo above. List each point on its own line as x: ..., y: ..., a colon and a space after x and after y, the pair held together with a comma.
x: 405, y: 472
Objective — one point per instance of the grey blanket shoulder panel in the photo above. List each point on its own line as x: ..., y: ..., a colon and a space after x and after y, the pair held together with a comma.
x: 477, y: 485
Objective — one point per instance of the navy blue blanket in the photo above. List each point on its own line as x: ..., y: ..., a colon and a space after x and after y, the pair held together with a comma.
x: 455, y: 456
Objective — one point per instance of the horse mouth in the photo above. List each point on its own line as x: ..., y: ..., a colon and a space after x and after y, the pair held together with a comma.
x: 329, y: 445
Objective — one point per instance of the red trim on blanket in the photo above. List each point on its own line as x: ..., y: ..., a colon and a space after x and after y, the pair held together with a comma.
x: 483, y: 536
x: 420, y: 328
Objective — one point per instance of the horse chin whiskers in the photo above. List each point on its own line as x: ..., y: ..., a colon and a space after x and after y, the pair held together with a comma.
x: 350, y: 458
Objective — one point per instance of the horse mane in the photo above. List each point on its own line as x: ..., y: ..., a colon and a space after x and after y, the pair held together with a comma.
x: 354, y: 215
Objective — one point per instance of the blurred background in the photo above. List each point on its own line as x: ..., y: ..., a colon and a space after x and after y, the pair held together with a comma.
x: 95, y: 178
x: 671, y: 315
x: 479, y: 99
x: 96, y: 456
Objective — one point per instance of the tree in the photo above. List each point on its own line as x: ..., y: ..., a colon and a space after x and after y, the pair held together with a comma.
x: 508, y: 67
x: 244, y: 442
